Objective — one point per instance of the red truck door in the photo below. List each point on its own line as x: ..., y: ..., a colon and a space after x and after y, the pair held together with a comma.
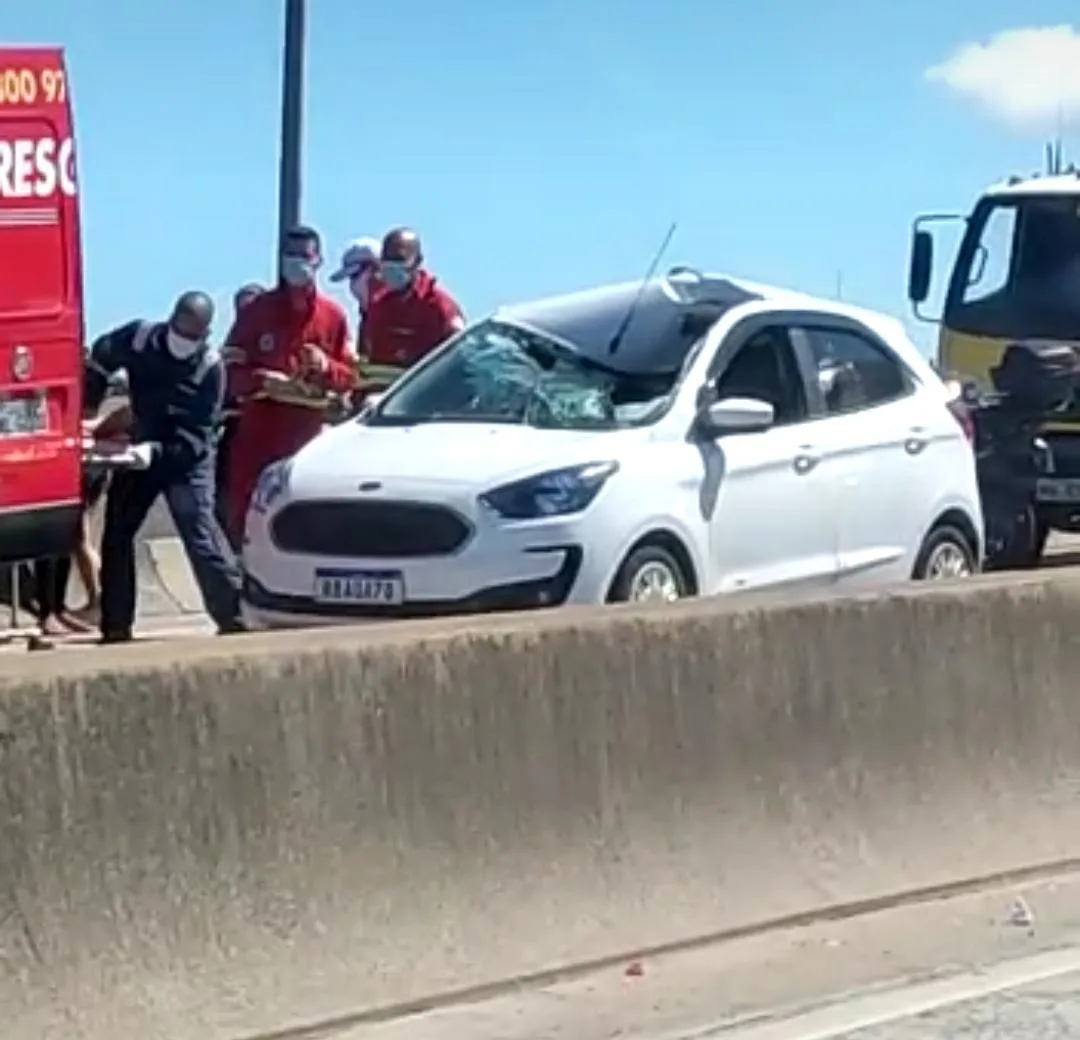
x: 41, y: 308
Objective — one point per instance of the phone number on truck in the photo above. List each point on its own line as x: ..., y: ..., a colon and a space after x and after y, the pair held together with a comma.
x: 32, y: 87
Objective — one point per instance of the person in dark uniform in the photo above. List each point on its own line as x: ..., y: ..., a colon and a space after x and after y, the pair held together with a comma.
x: 176, y: 384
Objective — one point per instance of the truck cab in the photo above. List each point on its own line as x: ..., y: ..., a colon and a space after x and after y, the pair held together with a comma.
x: 1016, y: 278
x: 41, y: 308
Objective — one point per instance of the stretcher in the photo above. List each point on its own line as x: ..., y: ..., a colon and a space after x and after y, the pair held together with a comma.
x: 291, y: 390
x: 371, y: 379
x: 109, y: 455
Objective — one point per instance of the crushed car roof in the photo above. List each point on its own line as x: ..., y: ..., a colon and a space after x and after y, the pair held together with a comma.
x: 657, y: 337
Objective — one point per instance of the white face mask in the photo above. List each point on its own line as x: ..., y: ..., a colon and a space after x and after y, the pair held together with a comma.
x: 360, y: 287
x: 181, y: 347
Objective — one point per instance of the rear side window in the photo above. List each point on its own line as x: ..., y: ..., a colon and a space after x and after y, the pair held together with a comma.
x: 37, y: 182
x: 854, y: 372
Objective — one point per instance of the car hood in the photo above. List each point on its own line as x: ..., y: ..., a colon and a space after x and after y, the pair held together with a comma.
x: 461, y: 454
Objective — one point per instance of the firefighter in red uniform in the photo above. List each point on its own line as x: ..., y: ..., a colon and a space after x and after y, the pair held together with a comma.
x: 243, y: 297
x: 409, y: 313
x: 292, y: 330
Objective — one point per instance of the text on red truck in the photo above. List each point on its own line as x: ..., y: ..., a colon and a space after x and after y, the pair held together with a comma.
x: 32, y: 86
x: 36, y: 169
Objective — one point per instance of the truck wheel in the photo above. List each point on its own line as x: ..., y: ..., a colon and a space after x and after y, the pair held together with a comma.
x: 1039, y: 538
x: 1019, y: 545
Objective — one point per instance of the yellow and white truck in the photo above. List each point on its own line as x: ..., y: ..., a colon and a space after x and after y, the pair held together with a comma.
x: 1015, y: 278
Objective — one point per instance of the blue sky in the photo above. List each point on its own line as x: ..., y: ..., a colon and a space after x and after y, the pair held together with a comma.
x: 538, y: 145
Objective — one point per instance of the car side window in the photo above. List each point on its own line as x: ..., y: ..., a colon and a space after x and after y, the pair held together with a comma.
x: 765, y: 367
x: 854, y: 372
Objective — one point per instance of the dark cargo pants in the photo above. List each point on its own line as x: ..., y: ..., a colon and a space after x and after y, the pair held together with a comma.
x: 190, y: 498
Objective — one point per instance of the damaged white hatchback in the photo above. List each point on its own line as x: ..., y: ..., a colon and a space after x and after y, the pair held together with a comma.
x: 691, y: 435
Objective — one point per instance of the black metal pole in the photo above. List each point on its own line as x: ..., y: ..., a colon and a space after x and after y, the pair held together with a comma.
x: 292, y: 121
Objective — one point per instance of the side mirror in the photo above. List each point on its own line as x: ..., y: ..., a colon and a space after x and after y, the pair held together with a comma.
x: 921, y: 268
x: 736, y: 415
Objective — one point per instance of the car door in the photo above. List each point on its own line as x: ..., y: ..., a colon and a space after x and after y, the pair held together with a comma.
x: 769, y: 496
x: 875, y: 432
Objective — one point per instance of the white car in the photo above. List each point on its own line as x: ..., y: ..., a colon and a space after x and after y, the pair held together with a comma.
x: 694, y: 434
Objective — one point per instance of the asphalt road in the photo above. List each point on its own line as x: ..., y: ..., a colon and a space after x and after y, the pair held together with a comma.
x: 1046, y: 1010
x: 964, y: 960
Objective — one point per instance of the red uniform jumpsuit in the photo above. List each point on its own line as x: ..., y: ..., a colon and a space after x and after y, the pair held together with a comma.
x: 272, y: 331
x: 401, y: 327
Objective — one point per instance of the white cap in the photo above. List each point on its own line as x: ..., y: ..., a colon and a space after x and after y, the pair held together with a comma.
x: 360, y: 253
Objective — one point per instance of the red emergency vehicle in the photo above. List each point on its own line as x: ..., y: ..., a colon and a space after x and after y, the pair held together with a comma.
x: 41, y: 308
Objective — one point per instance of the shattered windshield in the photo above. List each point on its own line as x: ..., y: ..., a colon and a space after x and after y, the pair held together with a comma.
x: 496, y: 372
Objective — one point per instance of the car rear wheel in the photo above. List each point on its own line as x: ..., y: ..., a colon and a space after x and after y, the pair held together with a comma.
x: 650, y: 574
x: 946, y: 553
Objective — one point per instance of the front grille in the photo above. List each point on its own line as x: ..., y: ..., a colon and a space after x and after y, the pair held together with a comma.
x: 371, y: 529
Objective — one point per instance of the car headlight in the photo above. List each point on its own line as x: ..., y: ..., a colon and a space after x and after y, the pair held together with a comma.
x: 272, y: 484
x: 559, y: 492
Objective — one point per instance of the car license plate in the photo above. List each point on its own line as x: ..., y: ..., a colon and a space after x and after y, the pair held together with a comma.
x: 1049, y: 489
x: 23, y: 415
x: 368, y: 588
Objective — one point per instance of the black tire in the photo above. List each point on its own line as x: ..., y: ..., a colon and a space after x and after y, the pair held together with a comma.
x: 640, y: 558
x: 937, y: 541
x: 1038, y: 544
x: 1023, y: 548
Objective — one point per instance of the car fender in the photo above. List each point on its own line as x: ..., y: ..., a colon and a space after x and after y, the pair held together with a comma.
x: 947, y: 502
x: 671, y: 524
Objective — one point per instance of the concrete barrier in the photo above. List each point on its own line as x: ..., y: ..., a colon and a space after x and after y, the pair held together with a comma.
x: 272, y: 831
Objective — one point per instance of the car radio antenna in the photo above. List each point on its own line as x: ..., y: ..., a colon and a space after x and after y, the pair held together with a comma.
x: 616, y: 340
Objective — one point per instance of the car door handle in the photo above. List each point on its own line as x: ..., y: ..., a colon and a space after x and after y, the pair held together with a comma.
x: 806, y: 460
x: 916, y: 440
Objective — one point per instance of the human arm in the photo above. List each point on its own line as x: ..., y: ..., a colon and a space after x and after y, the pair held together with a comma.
x: 332, y: 367
x: 109, y: 354
x: 111, y: 424
x: 450, y: 317
x: 240, y: 355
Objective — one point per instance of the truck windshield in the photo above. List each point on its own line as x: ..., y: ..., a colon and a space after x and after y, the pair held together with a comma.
x: 1017, y: 273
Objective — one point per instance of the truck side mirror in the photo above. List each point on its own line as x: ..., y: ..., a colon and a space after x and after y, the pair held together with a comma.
x: 922, y: 265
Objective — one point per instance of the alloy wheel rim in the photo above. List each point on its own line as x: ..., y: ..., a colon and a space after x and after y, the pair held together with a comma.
x: 654, y: 583
x: 948, y: 561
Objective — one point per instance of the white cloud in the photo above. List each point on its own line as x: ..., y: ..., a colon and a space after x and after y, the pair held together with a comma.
x: 1029, y: 78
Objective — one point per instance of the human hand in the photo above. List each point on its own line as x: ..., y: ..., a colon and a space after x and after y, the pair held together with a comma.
x: 142, y: 455
x: 313, y: 359
x: 114, y: 424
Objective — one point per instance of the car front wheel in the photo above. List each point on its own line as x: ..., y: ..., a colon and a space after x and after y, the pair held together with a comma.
x: 946, y: 553
x: 650, y: 574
